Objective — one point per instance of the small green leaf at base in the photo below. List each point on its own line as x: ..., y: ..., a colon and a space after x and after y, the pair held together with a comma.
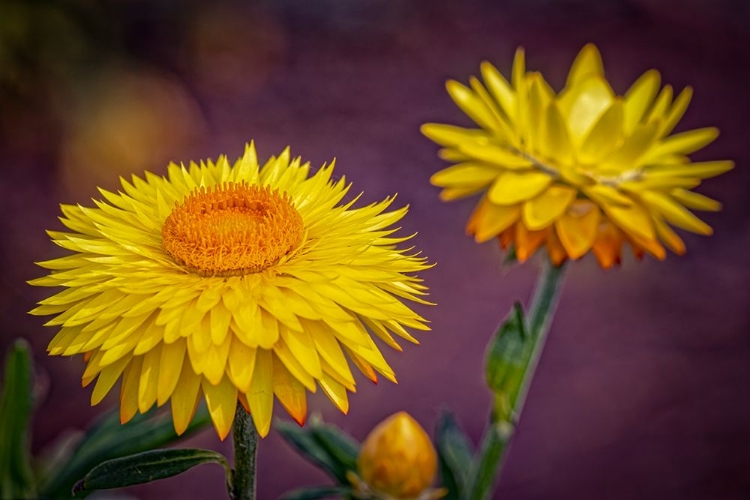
x: 146, y: 467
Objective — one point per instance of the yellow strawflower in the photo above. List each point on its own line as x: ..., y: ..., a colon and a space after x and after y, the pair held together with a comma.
x: 583, y: 169
x: 230, y: 282
x: 397, y: 461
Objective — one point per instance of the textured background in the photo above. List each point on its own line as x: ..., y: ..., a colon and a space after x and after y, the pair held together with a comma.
x: 642, y: 391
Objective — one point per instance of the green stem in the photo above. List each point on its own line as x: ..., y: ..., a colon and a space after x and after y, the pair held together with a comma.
x: 494, y: 447
x: 245, y: 439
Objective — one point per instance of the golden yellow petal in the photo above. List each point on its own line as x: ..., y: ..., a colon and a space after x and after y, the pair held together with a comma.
x: 577, y: 228
x: 170, y: 368
x: 148, y: 382
x: 639, y: 97
x: 695, y: 201
x: 260, y: 395
x: 221, y: 400
x: 335, y: 392
x: 675, y: 213
x: 543, y: 210
x: 290, y: 392
x: 512, y: 187
x: 241, y: 364
x: 129, y: 390
x: 604, y: 135
x: 588, y: 63
x: 489, y: 220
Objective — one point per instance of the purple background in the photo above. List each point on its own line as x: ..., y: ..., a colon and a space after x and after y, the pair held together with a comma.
x: 642, y: 391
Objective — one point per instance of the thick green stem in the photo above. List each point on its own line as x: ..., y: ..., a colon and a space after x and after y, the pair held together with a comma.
x: 245, y: 439
x: 493, y: 449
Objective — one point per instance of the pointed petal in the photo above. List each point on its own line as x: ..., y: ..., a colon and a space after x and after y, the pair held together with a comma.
x: 588, y: 63
x: 511, y: 188
x: 185, y: 398
x: 639, y: 98
x: 290, y: 392
x: 489, y: 220
x: 260, y: 396
x: 577, y: 229
x: 675, y: 213
x: 543, y: 210
x: 221, y: 401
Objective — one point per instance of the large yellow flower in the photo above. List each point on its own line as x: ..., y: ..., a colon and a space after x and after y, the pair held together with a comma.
x: 581, y: 170
x: 231, y: 282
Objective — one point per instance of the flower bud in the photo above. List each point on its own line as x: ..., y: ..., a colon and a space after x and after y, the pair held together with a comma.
x: 397, y: 458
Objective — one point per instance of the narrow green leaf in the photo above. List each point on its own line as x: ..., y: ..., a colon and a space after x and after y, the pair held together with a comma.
x: 455, y: 456
x: 312, y: 449
x: 16, y: 478
x: 320, y: 492
x: 146, y: 467
x: 341, y: 446
x: 108, y: 439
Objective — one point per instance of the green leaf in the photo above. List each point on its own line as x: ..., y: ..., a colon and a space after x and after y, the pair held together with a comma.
x: 341, y: 446
x: 108, y: 439
x: 16, y: 479
x: 455, y: 456
x: 508, y: 357
x: 305, y: 442
x: 510, y: 256
x: 320, y: 492
x: 146, y: 467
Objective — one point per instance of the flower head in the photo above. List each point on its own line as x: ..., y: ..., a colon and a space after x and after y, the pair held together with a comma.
x: 583, y: 169
x: 397, y: 460
x: 230, y: 282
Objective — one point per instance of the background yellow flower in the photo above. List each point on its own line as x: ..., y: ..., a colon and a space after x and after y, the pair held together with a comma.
x: 230, y: 282
x: 579, y: 170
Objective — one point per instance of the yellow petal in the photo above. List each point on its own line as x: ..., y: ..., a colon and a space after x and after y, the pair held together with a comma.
x: 216, y: 361
x: 449, y: 135
x: 577, y: 229
x: 107, y: 378
x: 500, y: 90
x: 514, y: 187
x: 465, y: 174
x: 220, y: 318
x: 661, y: 105
x: 221, y: 401
x: 495, y: 155
x: 472, y: 105
x: 675, y: 213
x: 505, y: 131
x: 695, y: 201
x: 624, y: 158
x: 329, y: 349
x: 129, y: 390
x: 583, y: 104
x: 668, y: 236
x: 684, y: 143
x: 676, y: 111
x: 149, y: 380
x: 335, y: 392
x: 703, y: 170
x: 604, y: 135
x: 240, y: 364
x: 303, y: 348
x: 543, y: 210
x: 170, y: 367
x: 555, y: 138
x: 607, y: 195
x: 290, y: 392
x: 455, y: 193
x: 489, y: 220
x: 260, y: 395
x: 634, y: 219
x: 639, y: 98
x: 185, y: 398
x: 588, y: 63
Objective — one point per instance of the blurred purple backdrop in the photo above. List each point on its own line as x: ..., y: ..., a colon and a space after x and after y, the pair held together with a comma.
x: 642, y: 391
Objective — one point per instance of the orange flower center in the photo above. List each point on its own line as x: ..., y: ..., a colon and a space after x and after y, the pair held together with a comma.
x: 232, y: 229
